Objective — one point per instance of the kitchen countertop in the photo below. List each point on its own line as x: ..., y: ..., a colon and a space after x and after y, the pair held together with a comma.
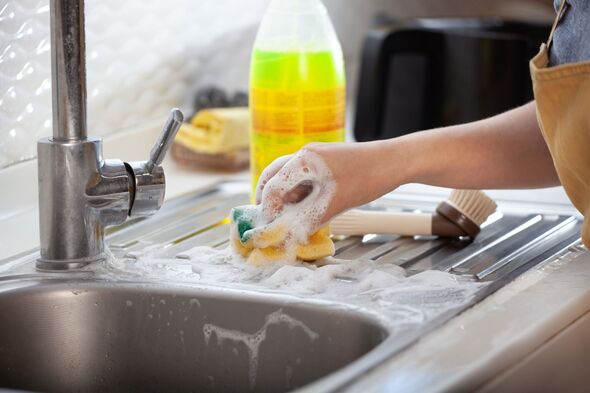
x: 463, y: 354
x: 482, y: 343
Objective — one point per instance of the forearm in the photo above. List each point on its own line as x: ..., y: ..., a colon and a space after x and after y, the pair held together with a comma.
x: 505, y: 151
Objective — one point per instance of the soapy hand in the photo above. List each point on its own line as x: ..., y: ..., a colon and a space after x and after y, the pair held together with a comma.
x: 319, y: 181
x: 286, y: 224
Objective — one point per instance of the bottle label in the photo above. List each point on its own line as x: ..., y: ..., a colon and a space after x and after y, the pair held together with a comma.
x: 297, y: 113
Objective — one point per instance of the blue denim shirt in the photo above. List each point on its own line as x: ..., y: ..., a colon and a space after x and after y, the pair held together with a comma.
x: 571, y: 41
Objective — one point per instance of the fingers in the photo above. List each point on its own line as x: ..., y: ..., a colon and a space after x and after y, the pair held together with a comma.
x: 276, y: 197
x: 268, y: 173
x: 272, y: 201
x: 298, y: 193
x: 282, y: 188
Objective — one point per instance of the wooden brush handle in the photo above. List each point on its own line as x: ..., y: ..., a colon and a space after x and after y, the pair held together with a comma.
x: 361, y: 222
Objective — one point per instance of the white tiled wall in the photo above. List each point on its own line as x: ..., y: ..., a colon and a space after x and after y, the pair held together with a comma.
x: 145, y: 56
x: 24, y: 72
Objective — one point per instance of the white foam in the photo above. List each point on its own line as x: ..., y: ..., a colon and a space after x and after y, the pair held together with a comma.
x: 381, y: 289
x: 252, y: 341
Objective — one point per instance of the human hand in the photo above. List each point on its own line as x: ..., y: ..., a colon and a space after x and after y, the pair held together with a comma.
x: 318, y: 182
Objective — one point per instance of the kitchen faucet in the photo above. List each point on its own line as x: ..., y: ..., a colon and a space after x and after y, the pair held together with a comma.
x: 80, y: 193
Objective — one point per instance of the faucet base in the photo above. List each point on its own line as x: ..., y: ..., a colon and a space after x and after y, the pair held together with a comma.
x: 79, y: 194
x: 46, y: 265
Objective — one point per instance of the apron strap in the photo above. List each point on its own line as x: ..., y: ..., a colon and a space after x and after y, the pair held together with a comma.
x: 562, y: 8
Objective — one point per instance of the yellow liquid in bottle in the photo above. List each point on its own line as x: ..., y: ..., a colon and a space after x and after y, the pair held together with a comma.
x: 295, y: 98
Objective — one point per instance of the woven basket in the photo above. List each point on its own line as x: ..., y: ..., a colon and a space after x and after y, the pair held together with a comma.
x: 226, y: 162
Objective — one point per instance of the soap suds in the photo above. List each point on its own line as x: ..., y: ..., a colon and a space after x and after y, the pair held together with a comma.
x: 379, y: 288
x: 252, y: 341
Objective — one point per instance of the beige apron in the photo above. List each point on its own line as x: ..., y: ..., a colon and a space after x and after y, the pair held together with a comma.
x: 562, y: 95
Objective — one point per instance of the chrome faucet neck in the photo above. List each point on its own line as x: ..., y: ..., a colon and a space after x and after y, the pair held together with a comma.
x: 68, y: 69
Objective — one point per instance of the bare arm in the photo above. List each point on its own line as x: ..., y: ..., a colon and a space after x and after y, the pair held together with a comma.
x: 504, y: 151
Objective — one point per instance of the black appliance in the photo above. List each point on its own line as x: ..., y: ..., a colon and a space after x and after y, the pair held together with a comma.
x: 429, y: 73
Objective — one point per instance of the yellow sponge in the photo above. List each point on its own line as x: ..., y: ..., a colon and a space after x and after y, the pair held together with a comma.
x: 270, y: 243
x: 319, y: 246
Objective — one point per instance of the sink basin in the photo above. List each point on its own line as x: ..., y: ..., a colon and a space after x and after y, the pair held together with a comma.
x: 100, y: 336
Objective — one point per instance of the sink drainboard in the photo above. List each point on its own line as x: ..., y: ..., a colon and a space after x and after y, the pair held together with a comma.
x: 506, y: 246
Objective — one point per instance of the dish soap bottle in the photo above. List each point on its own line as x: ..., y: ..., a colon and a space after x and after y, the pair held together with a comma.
x: 297, y: 82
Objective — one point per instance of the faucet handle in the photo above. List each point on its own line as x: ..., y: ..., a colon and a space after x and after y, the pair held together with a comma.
x: 165, y: 139
x: 149, y: 182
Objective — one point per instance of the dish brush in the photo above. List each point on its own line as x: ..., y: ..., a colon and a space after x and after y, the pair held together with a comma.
x: 462, y: 214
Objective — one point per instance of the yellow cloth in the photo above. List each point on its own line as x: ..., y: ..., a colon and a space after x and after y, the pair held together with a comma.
x: 562, y: 96
x: 215, y: 131
x: 271, y: 243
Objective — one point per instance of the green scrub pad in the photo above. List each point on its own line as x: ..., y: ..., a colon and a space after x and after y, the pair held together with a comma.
x: 243, y: 219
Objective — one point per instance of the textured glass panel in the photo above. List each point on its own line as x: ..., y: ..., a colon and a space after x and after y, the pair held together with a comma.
x: 25, y: 85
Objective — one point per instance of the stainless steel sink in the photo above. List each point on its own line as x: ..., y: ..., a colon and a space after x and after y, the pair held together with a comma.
x: 96, y: 330
x: 98, y: 336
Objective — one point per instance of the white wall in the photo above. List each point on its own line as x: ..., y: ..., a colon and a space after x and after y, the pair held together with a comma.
x: 146, y: 56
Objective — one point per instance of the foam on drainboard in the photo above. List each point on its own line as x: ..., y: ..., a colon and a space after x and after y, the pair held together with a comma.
x: 378, y: 288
